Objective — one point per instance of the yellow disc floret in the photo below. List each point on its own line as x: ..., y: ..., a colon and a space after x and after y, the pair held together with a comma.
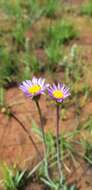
x: 58, y: 94
x: 34, y: 89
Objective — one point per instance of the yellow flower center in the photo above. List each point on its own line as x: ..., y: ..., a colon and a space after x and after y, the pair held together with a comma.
x: 34, y: 89
x: 58, y: 94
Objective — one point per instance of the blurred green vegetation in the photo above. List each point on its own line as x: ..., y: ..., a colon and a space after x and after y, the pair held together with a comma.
x: 37, y: 37
x: 17, y: 61
x: 86, y: 8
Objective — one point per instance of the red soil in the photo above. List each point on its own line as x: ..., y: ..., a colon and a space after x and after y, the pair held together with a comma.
x: 15, y: 146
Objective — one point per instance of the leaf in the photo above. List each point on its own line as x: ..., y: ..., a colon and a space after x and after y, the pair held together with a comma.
x: 36, y: 129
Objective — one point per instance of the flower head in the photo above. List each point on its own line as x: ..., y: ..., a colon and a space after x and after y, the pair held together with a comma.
x: 34, y: 87
x: 58, y: 92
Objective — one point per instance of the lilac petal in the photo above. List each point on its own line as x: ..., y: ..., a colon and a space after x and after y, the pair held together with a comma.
x: 68, y: 94
x: 22, y: 87
x: 42, y: 81
x: 60, y: 87
x: 66, y: 89
x: 60, y: 100
x: 54, y: 87
x: 28, y: 94
x: 47, y: 86
x: 25, y: 84
x: 34, y: 80
x: 50, y: 90
x: 63, y: 87
x: 29, y: 82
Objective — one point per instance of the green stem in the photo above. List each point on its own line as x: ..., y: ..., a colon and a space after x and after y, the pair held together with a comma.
x: 43, y: 136
x: 58, y: 144
x: 2, y: 96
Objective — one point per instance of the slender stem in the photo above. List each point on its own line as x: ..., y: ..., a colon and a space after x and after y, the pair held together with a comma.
x: 27, y: 132
x: 43, y: 136
x: 41, y: 122
x: 58, y: 144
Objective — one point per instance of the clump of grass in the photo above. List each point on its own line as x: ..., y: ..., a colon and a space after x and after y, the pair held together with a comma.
x: 72, y: 66
x: 51, y: 7
x: 34, y: 11
x: 86, y: 8
x: 31, y: 65
x: 86, y: 140
x: 9, y: 66
x: 13, y: 179
x: 18, y: 34
x: 87, y: 125
x: 26, y: 61
x: 86, y: 143
x: 67, y: 146
x: 35, y: 65
x: 88, y: 152
x: 54, y: 55
x: 62, y: 32
x: 68, y: 152
x: 12, y: 8
x: 58, y: 34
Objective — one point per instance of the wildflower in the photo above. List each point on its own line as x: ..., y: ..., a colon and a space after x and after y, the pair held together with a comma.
x: 58, y: 92
x: 34, y: 87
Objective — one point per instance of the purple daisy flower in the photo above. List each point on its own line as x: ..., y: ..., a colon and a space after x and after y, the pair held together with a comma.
x: 58, y: 92
x: 34, y: 87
